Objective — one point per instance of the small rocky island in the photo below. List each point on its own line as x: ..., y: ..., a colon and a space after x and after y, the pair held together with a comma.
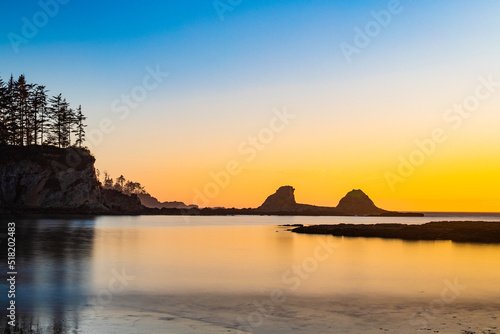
x: 458, y: 231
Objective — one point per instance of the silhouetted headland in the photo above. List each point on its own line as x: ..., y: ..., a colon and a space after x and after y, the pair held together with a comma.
x: 48, y: 179
x: 152, y: 202
x: 458, y: 231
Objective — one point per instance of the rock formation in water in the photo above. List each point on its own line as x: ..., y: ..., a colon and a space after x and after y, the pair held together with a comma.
x: 356, y: 202
x: 459, y: 231
x: 282, y: 200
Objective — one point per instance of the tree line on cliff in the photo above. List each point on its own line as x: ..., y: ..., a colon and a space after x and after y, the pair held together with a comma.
x: 121, y: 184
x: 29, y: 116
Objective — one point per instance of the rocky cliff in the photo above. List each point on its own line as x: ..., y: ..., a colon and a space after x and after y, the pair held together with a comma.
x: 51, y: 179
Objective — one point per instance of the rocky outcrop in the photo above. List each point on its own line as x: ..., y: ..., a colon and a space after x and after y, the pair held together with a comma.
x: 55, y: 180
x: 152, y: 202
x: 356, y: 202
x: 48, y: 177
x: 282, y: 200
x: 122, y: 203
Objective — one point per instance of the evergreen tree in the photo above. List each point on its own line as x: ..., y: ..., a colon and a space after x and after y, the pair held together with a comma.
x: 3, y: 113
x: 21, y: 96
x: 39, y: 105
x: 27, y: 117
x: 56, y: 121
x: 80, y: 127
x: 11, y: 111
x: 67, y: 117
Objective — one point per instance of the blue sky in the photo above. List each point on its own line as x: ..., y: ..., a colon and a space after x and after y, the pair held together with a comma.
x: 259, y: 41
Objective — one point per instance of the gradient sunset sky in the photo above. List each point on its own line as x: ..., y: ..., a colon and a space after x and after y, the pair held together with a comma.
x: 232, y: 65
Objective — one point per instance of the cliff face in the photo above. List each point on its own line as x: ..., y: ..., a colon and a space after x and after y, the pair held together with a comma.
x: 48, y: 177
x: 51, y: 179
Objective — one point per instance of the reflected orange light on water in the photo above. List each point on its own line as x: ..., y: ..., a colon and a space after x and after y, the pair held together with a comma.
x: 258, y: 259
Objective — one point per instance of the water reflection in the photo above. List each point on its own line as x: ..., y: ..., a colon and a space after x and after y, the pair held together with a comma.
x: 183, y: 273
x: 53, y: 259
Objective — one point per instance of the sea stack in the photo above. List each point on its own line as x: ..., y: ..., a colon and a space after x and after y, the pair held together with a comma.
x: 356, y: 202
x: 282, y: 200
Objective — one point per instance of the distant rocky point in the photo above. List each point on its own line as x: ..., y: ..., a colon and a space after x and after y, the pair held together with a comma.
x: 152, y: 202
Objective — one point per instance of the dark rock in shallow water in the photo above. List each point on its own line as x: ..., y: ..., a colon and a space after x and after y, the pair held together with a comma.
x: 460, y: 231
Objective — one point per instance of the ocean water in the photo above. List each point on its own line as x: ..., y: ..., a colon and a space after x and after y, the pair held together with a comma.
x: 170, y: 274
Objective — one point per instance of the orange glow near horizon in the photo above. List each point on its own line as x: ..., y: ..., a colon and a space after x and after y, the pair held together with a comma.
x: 323, y: 154
x: 454, y: 180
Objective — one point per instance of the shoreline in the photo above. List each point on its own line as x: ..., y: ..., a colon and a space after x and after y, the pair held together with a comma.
x: 188, y: 212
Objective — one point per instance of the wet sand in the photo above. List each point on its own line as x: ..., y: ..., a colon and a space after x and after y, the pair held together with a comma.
x: 220, y: 313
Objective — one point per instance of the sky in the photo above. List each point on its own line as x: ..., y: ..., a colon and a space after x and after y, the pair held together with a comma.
x: 219, y: 103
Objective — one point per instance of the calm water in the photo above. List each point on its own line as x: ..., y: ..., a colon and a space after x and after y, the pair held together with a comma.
x: 88, y: 276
